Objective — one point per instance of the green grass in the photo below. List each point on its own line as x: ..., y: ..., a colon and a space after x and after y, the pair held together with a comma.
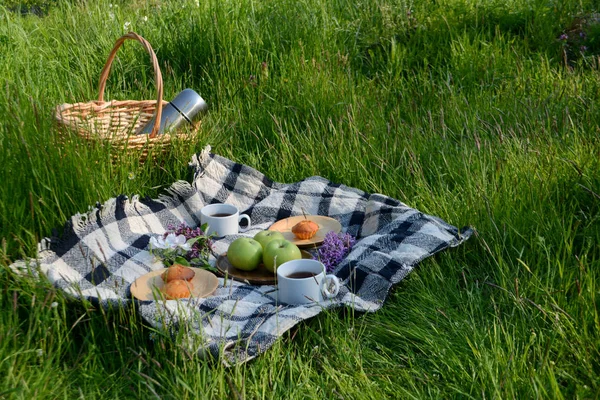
x: 463, y: 109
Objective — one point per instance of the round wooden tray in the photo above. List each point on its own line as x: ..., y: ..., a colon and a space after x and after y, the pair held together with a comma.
x: 259, y: 276
x: 148, y: 286
x: 326, y: 224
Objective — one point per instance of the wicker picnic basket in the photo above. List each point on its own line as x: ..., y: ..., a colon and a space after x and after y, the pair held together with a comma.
x: 116, y: 122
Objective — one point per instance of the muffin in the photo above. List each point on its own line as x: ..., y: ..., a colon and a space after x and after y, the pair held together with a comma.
x: 176, y: 272
x: 305, y: 229
x: 178, y: 289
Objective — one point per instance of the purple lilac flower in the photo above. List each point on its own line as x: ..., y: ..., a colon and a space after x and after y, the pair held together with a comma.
x: 564, y: 36
x: 335, y: 248
x: 198, y: 247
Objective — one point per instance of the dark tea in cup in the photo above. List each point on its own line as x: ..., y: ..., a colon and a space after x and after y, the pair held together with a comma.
x: 301, y: 275
x: 223, y: 219
x: 305, y: 281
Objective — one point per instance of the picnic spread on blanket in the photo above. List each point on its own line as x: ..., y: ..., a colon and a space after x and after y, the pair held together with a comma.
x: 104, y: 251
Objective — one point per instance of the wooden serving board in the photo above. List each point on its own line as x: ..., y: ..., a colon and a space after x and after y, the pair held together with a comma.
x: 259, y: 276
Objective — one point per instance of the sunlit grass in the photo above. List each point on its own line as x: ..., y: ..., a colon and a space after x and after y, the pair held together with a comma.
x: 464, y: 110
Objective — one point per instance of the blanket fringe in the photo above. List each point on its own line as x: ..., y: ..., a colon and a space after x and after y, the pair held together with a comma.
x: 200, y: 159
x: 178, y: 189
x: 81, y: 221
x: 133, y: 204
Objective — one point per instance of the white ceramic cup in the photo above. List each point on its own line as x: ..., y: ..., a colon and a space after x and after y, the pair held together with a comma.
x: 223, y: 219
x: 312, y: 285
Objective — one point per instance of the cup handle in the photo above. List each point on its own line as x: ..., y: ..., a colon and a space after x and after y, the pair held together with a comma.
x: 330, y: 280
x: 247, y: 218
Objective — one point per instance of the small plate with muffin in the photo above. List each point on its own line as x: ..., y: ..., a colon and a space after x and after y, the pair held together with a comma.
x: 175, y: 282
x: 306, y: 231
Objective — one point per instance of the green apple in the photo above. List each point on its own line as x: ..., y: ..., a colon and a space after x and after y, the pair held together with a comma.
x: 279, y: 251
x: 264, y: 237
x: 245, y: 253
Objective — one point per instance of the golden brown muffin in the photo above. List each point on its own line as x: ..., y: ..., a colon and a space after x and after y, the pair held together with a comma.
x: 178, y: 271
x: 178, y: 289
x: 305, y: 229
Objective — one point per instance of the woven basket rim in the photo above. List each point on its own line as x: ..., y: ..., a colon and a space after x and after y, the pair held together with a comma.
x: 117, y: 122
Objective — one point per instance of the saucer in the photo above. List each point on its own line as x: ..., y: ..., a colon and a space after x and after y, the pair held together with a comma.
x: 326, y: 224
x: 148, y: 286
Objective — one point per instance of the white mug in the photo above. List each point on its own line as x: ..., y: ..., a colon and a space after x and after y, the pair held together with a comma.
x: 304, y: 281
x: 223, y: 219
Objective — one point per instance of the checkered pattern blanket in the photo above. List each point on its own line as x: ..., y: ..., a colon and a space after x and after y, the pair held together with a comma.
x: 104, y: 250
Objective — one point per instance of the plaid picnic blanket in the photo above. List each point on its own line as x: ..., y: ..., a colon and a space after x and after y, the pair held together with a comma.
x: 103, y: 251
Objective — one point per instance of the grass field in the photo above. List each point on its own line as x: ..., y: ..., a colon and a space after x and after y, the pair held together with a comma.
x: 478, y: 112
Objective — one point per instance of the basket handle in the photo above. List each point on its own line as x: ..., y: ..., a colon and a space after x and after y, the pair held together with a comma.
x: 157, y: 75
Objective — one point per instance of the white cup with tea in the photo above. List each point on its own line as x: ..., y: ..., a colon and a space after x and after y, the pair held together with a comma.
x: 223, y: 219
x: 304, y: 281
